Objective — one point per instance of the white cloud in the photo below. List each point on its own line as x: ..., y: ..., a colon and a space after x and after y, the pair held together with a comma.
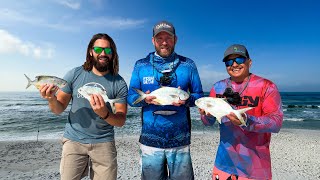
x: 12, y: 44
x: 11, y: 16
x: 14, y: 17
x: 112, y: 22
x: 209, y: 76
x: 70, y: 4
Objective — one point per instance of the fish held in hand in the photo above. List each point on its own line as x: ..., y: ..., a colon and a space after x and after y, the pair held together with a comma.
x: 40, y: 80
x: 87, y: 90
x: 164, y: 95
x: 219, y: 107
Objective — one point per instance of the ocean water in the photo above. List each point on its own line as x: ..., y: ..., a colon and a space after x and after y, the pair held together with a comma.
x: 26, y: 116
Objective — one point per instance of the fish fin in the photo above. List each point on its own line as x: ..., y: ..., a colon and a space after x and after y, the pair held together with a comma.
x: 174, y: 96
x: 142, y: 96
x: 113, y: 108
x: 218, y: 119
x: 243, y: 110
x: 29, y: 81
x: 111, y: 102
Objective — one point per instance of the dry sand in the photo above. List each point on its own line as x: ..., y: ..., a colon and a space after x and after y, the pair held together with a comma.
x: 295, y: 155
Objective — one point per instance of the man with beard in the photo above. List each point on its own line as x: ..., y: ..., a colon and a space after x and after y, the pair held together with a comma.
x: 89, y: 136
x: 166, y: 130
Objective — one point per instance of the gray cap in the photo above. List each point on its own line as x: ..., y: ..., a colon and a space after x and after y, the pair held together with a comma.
x: 163, y: 26
x: 236, y: 49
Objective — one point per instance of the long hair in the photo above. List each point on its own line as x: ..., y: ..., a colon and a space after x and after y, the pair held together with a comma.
x: 88, y: 64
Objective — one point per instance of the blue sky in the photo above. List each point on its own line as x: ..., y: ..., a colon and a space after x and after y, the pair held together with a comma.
x: 50, y: 37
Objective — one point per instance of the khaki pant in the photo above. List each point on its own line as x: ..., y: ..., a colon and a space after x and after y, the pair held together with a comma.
x: 76, y: 158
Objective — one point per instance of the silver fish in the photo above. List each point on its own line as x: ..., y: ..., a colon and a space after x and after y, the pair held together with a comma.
x: 87, y: 91
x: 164, y: 112
x: 164, y: 95
x: 40, y: 80
x: 219, y: 107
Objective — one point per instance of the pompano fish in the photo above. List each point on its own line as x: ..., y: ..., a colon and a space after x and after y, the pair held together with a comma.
x: 164, y: 95
x: 40, y: 80
x: 219, y: 107
x: 87, y: 91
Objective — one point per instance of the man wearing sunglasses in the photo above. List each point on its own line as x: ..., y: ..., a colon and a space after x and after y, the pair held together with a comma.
x: 165, y: 136
x: 243, y: 151
x: 89, y: 136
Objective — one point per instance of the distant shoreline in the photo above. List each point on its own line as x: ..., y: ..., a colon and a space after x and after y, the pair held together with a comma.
x: 58, y: 135
x: 206, y: 92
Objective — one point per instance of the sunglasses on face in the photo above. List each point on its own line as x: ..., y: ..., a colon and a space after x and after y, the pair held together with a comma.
x: 238, y: 60
x: 99, y: 50
x: 161, y: 40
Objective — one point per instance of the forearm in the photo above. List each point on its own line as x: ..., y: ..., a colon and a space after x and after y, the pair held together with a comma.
x: 271, y: 117
x: 271, y: 123
x: 55, y: 106
x: 208, y: 120
x: 118, y: 119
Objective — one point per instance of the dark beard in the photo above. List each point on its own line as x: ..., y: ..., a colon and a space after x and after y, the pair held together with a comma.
x: 158, y: 50
x: 102, y: 67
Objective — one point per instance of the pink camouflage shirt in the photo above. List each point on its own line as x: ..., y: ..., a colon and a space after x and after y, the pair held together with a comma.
x: 244, y: 150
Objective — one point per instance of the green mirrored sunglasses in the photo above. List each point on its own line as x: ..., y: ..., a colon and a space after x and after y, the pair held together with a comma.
x: 99, y: 50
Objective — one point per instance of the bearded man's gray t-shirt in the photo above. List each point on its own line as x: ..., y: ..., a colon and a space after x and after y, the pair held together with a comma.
x: 83, y: 124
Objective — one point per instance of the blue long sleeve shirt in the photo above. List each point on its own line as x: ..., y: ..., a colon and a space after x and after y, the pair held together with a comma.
x: 165, y: 131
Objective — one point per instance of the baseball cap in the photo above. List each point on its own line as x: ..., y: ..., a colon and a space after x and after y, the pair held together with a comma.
x: 163, y: 26
x: 236, y: 49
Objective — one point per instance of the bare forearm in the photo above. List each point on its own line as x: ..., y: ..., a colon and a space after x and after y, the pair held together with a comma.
x: 55, y: 106
x: 117, y: 119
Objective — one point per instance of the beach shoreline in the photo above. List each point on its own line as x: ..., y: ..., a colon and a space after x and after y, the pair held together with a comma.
x: 294, y: 155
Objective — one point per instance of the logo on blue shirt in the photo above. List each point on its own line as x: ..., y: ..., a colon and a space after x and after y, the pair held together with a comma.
x: 148, y: 80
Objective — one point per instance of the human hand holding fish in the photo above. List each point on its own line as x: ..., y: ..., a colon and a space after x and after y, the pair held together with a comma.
x: 179, y: 103
x: 39, y: 81
x: 219, y: 107
x: 98, y: 105
x: 152, y: 100
x: 231, y: 116
x: 92, y: 89
x: 203, y: 112
x: 163, y: 96
x: 149, y: 99
x: 48, y: 91
x: 235, y: 120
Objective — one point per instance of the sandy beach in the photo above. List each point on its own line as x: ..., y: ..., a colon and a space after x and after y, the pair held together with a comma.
x: 295, y: 155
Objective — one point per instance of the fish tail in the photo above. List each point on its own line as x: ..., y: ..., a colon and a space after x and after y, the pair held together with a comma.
x: 243, y: 110
x: 142, y: 96
x: 113, y: 108
x: 29, y: 81
x: 219, y: 119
